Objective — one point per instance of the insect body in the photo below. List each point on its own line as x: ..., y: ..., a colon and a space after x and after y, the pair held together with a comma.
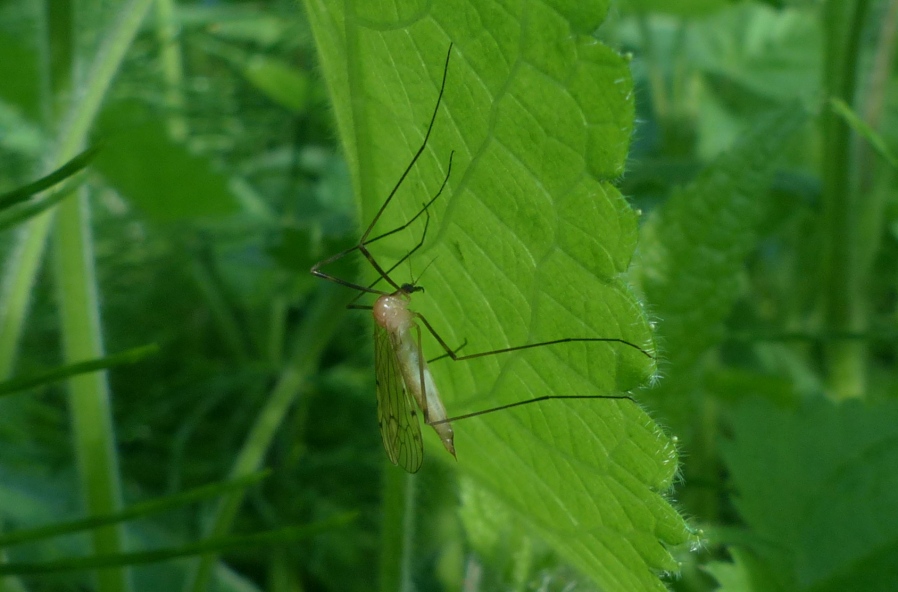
x: 402, y: 371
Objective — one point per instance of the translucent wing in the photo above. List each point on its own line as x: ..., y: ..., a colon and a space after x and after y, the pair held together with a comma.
x: 396, y: 414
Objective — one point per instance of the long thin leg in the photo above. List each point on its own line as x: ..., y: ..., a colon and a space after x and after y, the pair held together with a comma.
x: 363, y: 241
x: 316, y: 270
x: 450, y: 353
x: 457, y: 358
x: 444, y: 356
x: 362, y: 247
x: 528, y: 402
x: 424, y: 210
x: 417, y: 154
x: 453, y: 354
x: 401, y: 261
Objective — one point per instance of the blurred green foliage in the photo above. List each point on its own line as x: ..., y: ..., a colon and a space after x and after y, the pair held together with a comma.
x: 242, y: 142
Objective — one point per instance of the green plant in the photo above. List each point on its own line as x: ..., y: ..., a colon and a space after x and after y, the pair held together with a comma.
x: 217, y: 182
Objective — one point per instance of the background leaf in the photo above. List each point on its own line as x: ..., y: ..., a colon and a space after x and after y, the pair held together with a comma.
x: 697, y: 242
x: 155, y: 173
x: 834, y: 461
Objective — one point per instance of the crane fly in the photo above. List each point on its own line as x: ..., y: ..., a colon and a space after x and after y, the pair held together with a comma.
x: 403, y: 378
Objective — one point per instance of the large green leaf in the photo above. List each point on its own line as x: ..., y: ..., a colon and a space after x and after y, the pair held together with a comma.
x: 528, y: 244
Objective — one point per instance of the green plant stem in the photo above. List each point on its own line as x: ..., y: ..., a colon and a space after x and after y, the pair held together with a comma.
x: 876, y: 179
x: 172, y: 69
x: 844, y: 310
x: 18, y: 281
x: 322, y: 319
x: 89, y: 397
x: 883, y: 62
x: 397, y: 529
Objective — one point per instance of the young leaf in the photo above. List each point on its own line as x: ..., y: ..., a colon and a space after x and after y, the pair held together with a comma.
x: 529, y: 244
